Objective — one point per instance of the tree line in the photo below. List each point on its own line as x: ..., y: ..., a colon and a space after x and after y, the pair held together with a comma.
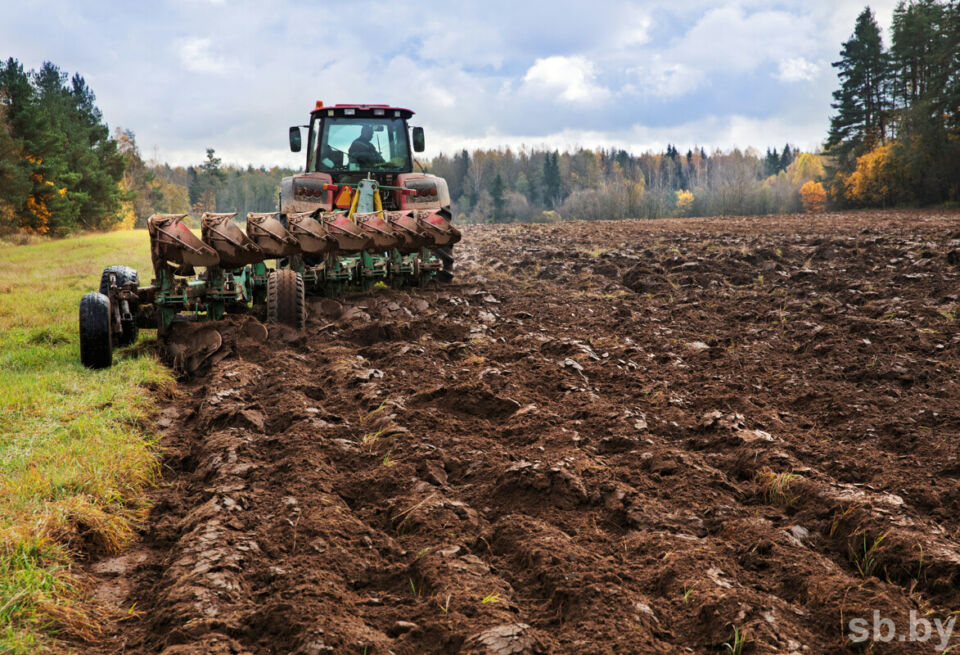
x: 208, y: 186
x: 505, y: 186
x: 894, y: 140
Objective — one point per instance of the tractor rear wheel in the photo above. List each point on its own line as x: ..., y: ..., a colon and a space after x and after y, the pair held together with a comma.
x: 445, y: 253
x: 124, y: 274
x: 285, y: 299
x: 96, y: 337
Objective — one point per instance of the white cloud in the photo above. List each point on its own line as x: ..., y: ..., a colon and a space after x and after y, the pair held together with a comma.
x: 572, y: 79
x: 195, y: 56
x: 632, y: 30
x: 797, y: 69
x: 664, y: 80
x: 729, y: 39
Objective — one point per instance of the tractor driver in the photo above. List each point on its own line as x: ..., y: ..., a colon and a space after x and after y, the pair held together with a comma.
x: 362, y: 150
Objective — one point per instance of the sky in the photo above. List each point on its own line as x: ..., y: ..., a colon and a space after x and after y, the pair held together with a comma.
x: 186, y: 75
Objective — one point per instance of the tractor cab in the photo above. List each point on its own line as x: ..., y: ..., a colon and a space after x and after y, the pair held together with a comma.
x: 352, y: 139
x: 349, y: 143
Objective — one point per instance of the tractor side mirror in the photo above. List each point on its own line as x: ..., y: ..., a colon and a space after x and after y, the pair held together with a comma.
x: 295, y: 139
x: 418, y: 145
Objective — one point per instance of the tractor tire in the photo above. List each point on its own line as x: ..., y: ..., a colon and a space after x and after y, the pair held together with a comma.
x: 124, y: 274
x: 128, y: 329
x: 96, y: 338
x: 285, y: 299
x: 445, y: 253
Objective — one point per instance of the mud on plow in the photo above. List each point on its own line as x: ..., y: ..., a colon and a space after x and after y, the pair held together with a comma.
x: 266, y: 270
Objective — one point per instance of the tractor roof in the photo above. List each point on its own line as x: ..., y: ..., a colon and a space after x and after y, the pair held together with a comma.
x: 362, y: 110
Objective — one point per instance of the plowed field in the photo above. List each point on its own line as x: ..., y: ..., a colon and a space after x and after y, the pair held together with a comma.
x: 608, y: 437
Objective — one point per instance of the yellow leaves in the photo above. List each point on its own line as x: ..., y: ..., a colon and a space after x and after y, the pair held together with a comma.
x: 127, y: 216
x: 813, y: 196
x: 128, y: 219
x: 635, y: 191
x: 6, y: 213
x: 684, y: 202
x: 36, y: 216
x: 869, y: 183
x: 807, y: 166
x: 41, y: 215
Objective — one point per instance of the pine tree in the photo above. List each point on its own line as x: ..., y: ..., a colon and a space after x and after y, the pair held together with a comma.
x: 14, y: 178
x: 915, y: 49
x: 861, y: 101
x: 206, y: 181
x: 496, y: 194
x: 551, y: 180
x: 951, y: 57
x: 787, y: 156
x: 457, y: 180
x: 101, y: 164
x: 925, y: 57
x: 771, y: 163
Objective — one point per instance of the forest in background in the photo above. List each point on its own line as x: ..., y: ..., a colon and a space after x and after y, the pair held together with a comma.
x: 894, y: 139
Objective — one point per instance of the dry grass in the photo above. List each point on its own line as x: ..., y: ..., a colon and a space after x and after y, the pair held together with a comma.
x: 75, y: 454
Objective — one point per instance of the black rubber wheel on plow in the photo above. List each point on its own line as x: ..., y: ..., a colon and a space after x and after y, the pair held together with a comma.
x: 285, y: 299
x: 96, y: 338
x: 124, y: 274
x: 445, y: 253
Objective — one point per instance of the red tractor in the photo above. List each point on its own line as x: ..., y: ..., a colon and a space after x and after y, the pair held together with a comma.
x: 357, y: 217
x: 350, y: 145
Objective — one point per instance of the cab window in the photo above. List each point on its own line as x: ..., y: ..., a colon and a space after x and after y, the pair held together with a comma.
x: 362, y: 144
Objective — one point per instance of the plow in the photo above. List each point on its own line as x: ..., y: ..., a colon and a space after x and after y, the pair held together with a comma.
x: 356, y: 218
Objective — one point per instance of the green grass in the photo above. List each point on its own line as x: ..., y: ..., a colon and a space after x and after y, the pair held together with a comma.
x: 735, y: 645
x: 866, y: 561
x: 75, y: 447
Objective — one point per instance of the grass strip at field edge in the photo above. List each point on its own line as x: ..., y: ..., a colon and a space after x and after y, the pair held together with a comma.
x: 77, y: 448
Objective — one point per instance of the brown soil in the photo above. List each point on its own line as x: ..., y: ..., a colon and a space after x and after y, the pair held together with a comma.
x: 610, y: 437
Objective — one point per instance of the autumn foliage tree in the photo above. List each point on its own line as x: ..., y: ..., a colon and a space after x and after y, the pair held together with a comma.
x: 813, y: 196
x: 15, y: 183
x: 875, y: 181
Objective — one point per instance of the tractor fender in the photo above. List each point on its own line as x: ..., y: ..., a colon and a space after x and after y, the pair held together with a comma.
x: 442, y: 199
x: 292, y: 202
